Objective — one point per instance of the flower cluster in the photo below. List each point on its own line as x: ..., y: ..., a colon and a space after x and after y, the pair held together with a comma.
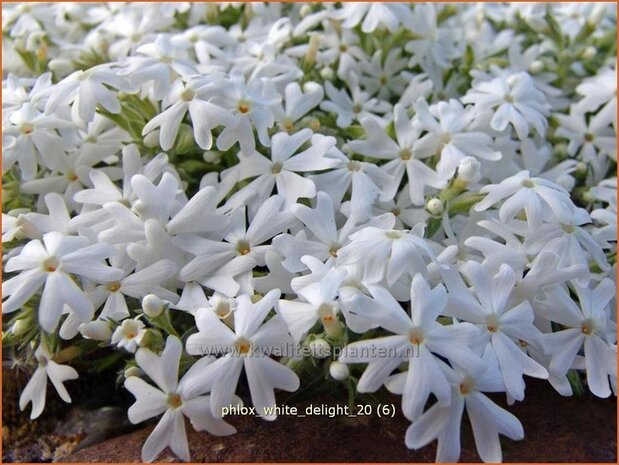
x: 428, y: 188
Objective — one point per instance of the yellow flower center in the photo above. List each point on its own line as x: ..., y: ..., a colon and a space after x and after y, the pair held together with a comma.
x: 187, y: 95
x: 276, y: 168
x: 415, y: 336
x: 528, y: 183
x: 50, y: 265
x: 114, y: 287
x: 466, y: 386
x: 243, y: 107
x: 492, y: 323
x: 243, y: 247
x: 27, y: 128
x: 174, y: 400
x: 587, y: 328
x: 242, y: 346
x: 406, y: 154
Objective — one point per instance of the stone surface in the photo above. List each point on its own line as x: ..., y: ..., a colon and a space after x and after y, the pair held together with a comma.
x: 557, y: 429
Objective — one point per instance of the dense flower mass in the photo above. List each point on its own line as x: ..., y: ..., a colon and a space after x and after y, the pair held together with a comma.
x: 423, y: 196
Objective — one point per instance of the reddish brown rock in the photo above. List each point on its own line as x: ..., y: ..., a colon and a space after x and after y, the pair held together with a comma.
x: 558, y: 429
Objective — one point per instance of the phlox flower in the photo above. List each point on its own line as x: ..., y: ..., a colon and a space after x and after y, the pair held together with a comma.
x: 170, y: 397
x: 50, y: 264
x: 319, y: 305
x: 36, y: 389
x: 536, y: 196
x: 373, y: 15
x: 401, y: 153
x: 191, y: 97
x: 245, y: 105
x: 514, y: 100
x: 84, y: 90
x: 587, y: 324
x: 487, y: 419
x: 36, y: 141
x: 354, y: 106
x: 247, y: 346
x: 388, y: 253
x: 449, y: 135
x: 417, y: 337
x: 502, y: 327
x: 282, y: 168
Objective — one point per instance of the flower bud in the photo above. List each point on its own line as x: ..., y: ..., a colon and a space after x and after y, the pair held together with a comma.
x: 560, y: 150
x: 61, y: 66
x: 152, y: 305
x: 211, y: 156
x: 133, y: 371
x: 319, y: 348
x: 151, y: 140
x: 469, y: 170
x: 339, y: 371
x: 536, y: 66
x: 599, y: 12
x: 310, y: 56
x: 435, y: 207
x: 305, y: 10
x: 589, y: 52
x: 581, y: 168
x: 326, y: 73
x: 20, y: 327
x: 98, y: 330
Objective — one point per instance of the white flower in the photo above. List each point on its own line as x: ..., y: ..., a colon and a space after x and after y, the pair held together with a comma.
x: 587, y: 140
x: 588, y: 325
x: 129, y: 334
x: 218, y: 262
x: 136, y: 284
x: 171, y: 398
x: 384, y: 78
x: 50, y: 265
x: 281, y: 169
x: 353, y: 107
x: 325, y: 241
x: 366, y: 181
x: 448, y: 135
x: 401, y: 155
x: 251, y: 104
x: 488, y: 420
x: 514, y: 100
x: 182, y: 98
x: 36, y: 389
x: 417, y: 339
x: 572, y: 242
x: 320, y: 306
x: 36, y: 142
x: 502, y: 327
x: 162, y: 60
x: 298, y: 103
x: 387, y: 253
x: 433, y: 45
x: 248, y: 346
x: 84, y: 90
x: 536, y: 196
x: 599, y: 91
x: 342, y: 48
x: 373, y: 15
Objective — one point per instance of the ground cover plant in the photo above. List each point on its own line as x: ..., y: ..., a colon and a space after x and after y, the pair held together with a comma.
x: 259, y: 199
